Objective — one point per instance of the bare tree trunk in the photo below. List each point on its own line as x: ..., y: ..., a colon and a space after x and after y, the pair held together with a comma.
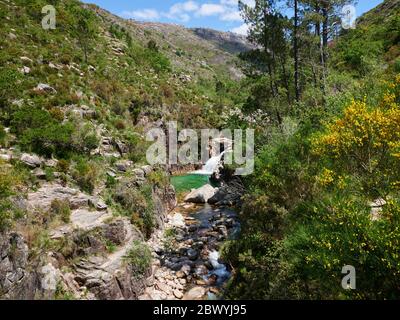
x: 296, y: 51
x: 325, y: 35
x: 286, y: 79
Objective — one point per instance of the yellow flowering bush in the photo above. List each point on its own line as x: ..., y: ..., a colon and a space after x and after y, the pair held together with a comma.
x: 365, y: 142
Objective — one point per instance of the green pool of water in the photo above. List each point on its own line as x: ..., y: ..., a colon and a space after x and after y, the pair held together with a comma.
x: 187, y: 182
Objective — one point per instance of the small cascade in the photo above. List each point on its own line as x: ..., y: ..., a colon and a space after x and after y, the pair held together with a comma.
x: 211, y: 165
x: 220, y: 269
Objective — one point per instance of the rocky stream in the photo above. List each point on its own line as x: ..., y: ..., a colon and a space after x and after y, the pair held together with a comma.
x: 186, y: 264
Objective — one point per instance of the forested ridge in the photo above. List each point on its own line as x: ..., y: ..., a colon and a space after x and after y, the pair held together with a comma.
x: 325, y: 192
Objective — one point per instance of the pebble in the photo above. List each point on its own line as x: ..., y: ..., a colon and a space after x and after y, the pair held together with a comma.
x: 178, y: 294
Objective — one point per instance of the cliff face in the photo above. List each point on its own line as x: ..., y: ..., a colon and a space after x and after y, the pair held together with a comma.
x: 225, y: 41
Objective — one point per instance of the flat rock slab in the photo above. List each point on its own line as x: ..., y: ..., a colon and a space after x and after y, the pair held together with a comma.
x: 87, y: 220
x: 48, y: 192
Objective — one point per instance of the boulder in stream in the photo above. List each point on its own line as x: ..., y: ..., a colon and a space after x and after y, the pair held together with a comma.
x: 201, y: 195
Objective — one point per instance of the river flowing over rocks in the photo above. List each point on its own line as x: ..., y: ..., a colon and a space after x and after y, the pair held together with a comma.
x: 186, y: 254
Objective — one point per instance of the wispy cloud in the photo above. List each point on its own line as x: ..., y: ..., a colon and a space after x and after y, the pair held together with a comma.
x: 210, y: 9
x: 223, y: 10
x: 231, y: 16
x: 243, y: 29
x: 144, y: 14
x: 181, y: 11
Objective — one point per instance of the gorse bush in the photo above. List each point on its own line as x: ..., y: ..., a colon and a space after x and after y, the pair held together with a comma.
x: 341, y: 232
x: 365, y: 142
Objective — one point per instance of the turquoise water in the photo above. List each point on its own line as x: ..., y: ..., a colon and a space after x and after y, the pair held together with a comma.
x: 189, y: 181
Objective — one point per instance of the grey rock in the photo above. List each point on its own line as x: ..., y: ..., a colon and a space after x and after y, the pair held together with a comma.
x: 115, y: 232
x: 201, y: 195
x: 13, y: 266
x: 196, y: 293
x: 147, y: 170
x: 123, y: 166
x: 192, y: 254
x: 39, y: 173
x: 51, y: 163
x: 178, y: 294
x: 43, y: 87
x: 98, y: 203
x: 32, y: 161
x: 121, y: 147
x: 139, y: 174
x: 25, y: 70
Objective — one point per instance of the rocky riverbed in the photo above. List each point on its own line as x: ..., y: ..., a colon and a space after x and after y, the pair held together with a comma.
x: 186, y: 254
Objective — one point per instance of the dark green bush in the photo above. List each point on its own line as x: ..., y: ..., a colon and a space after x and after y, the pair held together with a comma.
x: 42, y: 134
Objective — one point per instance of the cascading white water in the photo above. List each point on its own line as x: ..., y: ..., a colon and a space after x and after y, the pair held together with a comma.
x: 211, y: 165
x: 219, y: 269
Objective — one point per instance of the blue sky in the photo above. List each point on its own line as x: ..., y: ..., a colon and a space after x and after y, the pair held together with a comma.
x: 216, y: 14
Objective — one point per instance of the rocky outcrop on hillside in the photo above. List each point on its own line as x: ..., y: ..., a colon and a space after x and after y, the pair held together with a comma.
x: 227, y: 41
x: 82, y: 258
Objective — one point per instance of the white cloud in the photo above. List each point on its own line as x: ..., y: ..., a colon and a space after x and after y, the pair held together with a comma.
x: 235, y: 3
x: 243, y: 29
x: 188, y: 6
x: 211, y: 9
x: 224, y: 10
x: 180, y: 11
x: 250, y: 3
x: 144, y: 14
x: 230, y: 2
x: 231, y: 16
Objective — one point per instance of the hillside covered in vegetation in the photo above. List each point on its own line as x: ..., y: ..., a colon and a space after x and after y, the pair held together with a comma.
x: 325, y: 192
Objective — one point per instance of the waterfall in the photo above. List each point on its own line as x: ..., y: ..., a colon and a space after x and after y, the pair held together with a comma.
x: 211, y: 165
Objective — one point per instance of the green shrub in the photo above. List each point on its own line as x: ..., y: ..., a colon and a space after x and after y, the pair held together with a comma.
x: 5, y: 215
x: 158, y: 178
x: 139, y: 258
x: 136, y: 147
x: 86, y: 174
x: 335, y: 233
x: 63, y: 165
x: 62, y: 209
x: 8, y: 180
x: 138, y: 204
x: 42, y: 134
x: 397, y: 65
x: 3, y: 135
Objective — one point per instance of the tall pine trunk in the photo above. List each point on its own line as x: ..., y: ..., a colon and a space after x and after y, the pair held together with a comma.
x: 296, y: 51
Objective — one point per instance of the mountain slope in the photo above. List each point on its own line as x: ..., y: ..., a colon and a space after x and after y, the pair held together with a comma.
x: 377, y: 36
x: 77, y: 198
x: 195, y: 50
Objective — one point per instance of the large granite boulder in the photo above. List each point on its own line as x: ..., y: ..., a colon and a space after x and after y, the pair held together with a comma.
x: 201, y: 195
